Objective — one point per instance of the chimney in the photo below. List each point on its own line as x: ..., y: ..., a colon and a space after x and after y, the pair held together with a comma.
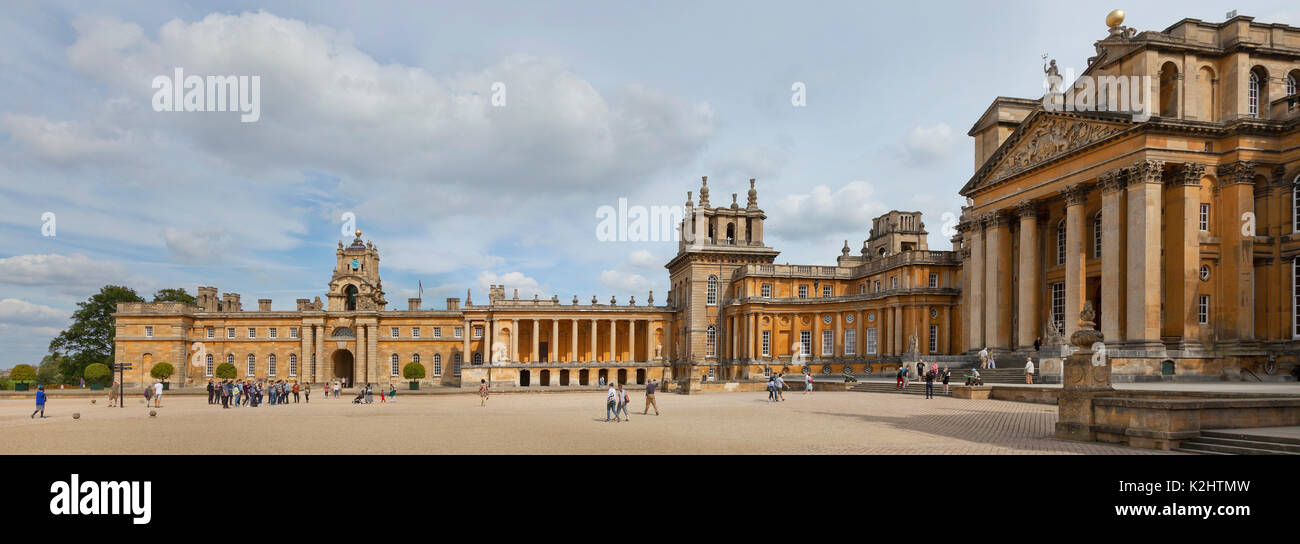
x: 230, y: 302
x: 413, y: 304
x: 453, y: 304
x: 304, y: 304
x: 263, y: 304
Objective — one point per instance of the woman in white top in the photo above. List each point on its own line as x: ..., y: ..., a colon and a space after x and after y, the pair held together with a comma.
x: 1029, y: 370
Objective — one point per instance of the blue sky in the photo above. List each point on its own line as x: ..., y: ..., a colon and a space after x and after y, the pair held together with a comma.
x: 383, y: 109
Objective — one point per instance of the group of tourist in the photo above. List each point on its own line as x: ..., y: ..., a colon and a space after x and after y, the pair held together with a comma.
x: 367, y: 394
x: 617, y: 400
x: 251, y: 393
x: 933, y: 374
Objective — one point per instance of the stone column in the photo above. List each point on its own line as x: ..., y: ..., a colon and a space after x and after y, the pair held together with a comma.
x: 554, y: 348
x: 573, y: 341
x: 593, y: 342
x: 1143, y: 285
x: 304, y: 349
x: 923, y: 341
x: 1029, y: 318
x: 1183, y: 257
x: 631, y: 340
x: 359, y: 361
x: 997, y: 282
x: 535, y: 356
x: 613, y: 341
x: 1236, y: 197
x: 326, y: 371
x: 839, y: 336
x: 1075, y: 196
x: 899, y: 337
x: 945, y: 332
x: 975, y: 299
x: 1113, y: 254
x: 372, y: 354
x: 514, y: 340
x: 466, y: 357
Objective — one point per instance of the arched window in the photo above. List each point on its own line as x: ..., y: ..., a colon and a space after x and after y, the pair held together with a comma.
x: 712, y: 298
x: 415, y: 358
x: 1254, y: 89
x: 1290, y: 84
x: 252, y: 364
x: 1169, y: 90
x: 1295, y: 201
x: 293, y: 364
x: 393, y: 364
x: 230, y: 358
x: 1096, y: 236
x: 270, y: 365
x: 478, y: 358
x: 351, y: 292
x: 437, y: 364
x: 731, y: 233
x: 208, y: 371
x: 1060, y: 242
x: 710, y: 341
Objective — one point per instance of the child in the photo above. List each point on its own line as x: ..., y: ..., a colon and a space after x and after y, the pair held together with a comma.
x: 40, y: 402
x: 482, y: 392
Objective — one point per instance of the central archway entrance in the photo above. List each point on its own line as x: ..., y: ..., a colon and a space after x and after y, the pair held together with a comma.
x: 342, y: 365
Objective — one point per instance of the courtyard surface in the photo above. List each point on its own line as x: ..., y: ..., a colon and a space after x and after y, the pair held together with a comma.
x: 561, y: 423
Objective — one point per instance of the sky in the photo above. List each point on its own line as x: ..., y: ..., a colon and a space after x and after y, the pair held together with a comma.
x: 390, y: 111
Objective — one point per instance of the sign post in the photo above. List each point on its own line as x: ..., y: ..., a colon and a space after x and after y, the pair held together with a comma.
x: 121, y: 383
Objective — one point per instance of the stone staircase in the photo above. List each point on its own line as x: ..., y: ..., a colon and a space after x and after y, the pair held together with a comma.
x: 1227, y: 442
x: 914, y: 388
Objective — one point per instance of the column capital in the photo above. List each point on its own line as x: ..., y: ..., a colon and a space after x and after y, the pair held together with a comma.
x: 1112, y: 180
x: 1027, y: 209
x: 1146, y: 171
x: 1075, y: 195
x: 995, y: 219
x: 1236, y: 173
x: 1188, y: 174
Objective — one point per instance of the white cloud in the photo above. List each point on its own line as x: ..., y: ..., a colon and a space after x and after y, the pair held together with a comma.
x: 643, y: 259
x: 927, y: 145
x: 625, y: 282
x: 74, y: 274
x: 198, y: 245
x: 826, y: 215
x: 20, y: 312
x: 511, y: 280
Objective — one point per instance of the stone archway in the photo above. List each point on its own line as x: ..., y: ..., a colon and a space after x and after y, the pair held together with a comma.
x: 342, y: 365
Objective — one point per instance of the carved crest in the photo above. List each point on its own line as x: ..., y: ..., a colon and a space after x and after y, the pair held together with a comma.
x: 1049, y: 137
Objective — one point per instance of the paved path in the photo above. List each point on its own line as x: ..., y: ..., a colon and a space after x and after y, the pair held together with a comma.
x: 723, y: 423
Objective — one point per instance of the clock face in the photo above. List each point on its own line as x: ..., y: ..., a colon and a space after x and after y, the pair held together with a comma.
x: 356, y: 264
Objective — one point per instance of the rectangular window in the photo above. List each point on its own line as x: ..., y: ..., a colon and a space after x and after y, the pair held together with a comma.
x: 893, y: 282
x: 862, y: 288
x: 478, y: 332
x: 211, y: 333
x: 934, y: 281
x: 437, y: 364
x: 871, y: 341
x: 208, y: 367
x: 1203, y: 310
x: 1204, y: 221
x: 230, y: 332
x: 1295, y: 296
x: 767, y: 341
x: 1058, y: 305
x: 148, y: 332
x: 293, y: 365
x: 270, y: 365
x: 293, y: 332
x: 392, y: 364
x: 803, y: 291
x: 459, y: 332
x: 455, y: 365
x: 850, y: 342
x: 805, y: 342
x: 827, y: 291
x: 767, y: 290
x: 272, y: 333
x: 1295, y: 195
x: 252, y: 365
x: 934, y: 338
x: 828, y: 343
x: 437, y: 332
x: 393, y: 331
x: 252, y: 332
x: 877, y: 286
x: 415, y: 332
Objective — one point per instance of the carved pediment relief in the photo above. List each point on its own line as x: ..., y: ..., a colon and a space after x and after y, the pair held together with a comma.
x: 1047, y: 138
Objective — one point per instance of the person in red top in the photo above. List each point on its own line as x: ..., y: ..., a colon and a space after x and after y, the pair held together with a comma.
x: 482, y: 392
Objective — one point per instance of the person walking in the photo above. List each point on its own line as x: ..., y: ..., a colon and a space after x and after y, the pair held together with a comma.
x: 336, y: 389
x: 771, y: 387
x: 382, y: 398
x: 306, y: 393
x: 650, y: 398
x: 211, y: 390
x: 611, y: 404
x: 807, y: 382
x: 40, y: 402
x: 392, y: 392
x: 947, y: 374
x: 295, y: 392
x: 929, y: 384
x: 623, y: 401
x: 907, y: 376
x: 984, y: 357
x: 225, y: 394
x: 898, y: 383
x: 780, y: 386
x: 157, y: 394
x: 112, y: 395
x: 370, y: 394
x: 482, y: 392
x: 1029, y: 370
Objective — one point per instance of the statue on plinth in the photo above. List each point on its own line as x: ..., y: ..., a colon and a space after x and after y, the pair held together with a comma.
x: 499, y: 352
x: 1086, y: 375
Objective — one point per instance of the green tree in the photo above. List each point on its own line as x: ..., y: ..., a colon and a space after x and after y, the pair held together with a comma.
x: 162, y: 371
x: 413, y: 371
x: 49, y: 371
x: 174, y: 295
x: 226, y: 371
x: 90, y: 338
x: 98, y: 373
x: 22, y: 373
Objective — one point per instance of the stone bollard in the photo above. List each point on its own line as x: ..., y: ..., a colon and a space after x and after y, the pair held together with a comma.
x: 1086, y: 375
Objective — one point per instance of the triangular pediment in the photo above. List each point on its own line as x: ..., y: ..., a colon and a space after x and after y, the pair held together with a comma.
x: 1043, y: 138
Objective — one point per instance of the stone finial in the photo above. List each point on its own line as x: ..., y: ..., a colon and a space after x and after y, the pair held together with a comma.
x: 593, y: 300
x: 753, y: 195
x: 689, y: 202
x: 516, y: 293
x: 864, y: 247
x: 534, y: 297
x: 468, y: 301
x: 575, y: 300
x: 845, y: 250
x: 631, y: 301
x: 612, y: 302
x: 650, y: 301
x: 1087, y: 335
x: 704, y: 191
x: 734, y: 205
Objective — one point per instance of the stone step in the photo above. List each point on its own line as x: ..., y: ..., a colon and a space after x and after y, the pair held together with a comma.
x: 1199, y: 452
x: 1256, y: 444
x: 1200, y: 447
x: 1234, y: 435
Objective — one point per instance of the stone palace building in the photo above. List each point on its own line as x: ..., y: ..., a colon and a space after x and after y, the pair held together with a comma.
x: 1182, y: 230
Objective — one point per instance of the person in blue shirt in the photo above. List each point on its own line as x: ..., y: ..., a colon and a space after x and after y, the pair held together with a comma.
x: 40, y: 402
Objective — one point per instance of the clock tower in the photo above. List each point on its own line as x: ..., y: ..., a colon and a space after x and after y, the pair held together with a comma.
x: 355, y: 285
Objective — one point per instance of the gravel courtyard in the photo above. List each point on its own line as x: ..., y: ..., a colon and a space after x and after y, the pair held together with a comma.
x: 565, y: 423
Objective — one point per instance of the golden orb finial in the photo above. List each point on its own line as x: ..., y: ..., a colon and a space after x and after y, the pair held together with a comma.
x: 1115, y: 18
x: 358, y: 233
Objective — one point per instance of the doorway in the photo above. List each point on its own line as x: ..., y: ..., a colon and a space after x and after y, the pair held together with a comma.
x: 545, y: 379
x: 523, y: 378
x: 640, y: 376
x: 564, y: 377
x: 342, y: 365
x: 584, y: 377
x: 622, y: 376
